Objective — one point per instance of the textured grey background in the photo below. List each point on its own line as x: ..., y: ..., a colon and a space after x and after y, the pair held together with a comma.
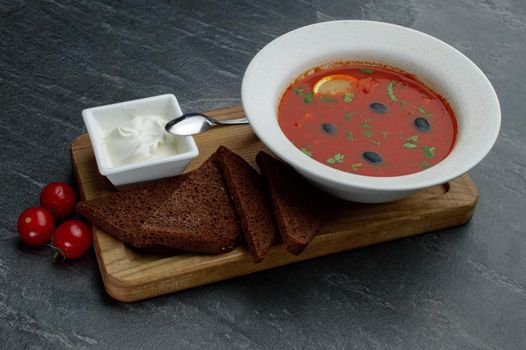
x: 461, y: 288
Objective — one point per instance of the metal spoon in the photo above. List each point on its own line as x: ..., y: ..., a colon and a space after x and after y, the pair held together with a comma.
x: 196, y: 123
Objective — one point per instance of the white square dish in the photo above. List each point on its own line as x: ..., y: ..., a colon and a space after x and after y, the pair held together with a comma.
x: 101, y: 121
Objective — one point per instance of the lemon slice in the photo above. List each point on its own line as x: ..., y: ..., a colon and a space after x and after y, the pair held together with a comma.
x: 335, y: 84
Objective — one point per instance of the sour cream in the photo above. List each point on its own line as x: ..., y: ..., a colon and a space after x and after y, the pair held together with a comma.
x: 140, y: 138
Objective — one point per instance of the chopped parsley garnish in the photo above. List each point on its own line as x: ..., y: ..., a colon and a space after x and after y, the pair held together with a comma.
x: 385, y: 134
x: 429, y: 152
x: 412, y: 142
x: 390, y: 91
x: 349, y: 136
x: 337, y: 158
x: 425, y: 113
x: 368, y: 133
x: 392, y: 95
x: 425, y: 164
x: 413, y: 138
x: 348, y: 97
x: 356, y: 166
x: 307, y: 98
x: 306, y: 151
x: 366, y: 70
x: 348, y: 115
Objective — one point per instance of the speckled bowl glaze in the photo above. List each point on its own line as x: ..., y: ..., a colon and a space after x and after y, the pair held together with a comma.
x: 435, y: 63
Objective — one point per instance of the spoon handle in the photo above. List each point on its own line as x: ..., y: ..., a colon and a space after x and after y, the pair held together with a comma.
x: 232, y: 121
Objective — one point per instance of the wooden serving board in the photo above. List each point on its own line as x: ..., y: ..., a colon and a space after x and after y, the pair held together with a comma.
x: 131, y: 275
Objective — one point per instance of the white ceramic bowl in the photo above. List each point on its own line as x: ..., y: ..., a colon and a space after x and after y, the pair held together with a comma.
x: 101, y: 120
x: 435, y: 63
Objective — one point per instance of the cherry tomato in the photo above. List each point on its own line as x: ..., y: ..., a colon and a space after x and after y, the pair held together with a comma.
x: 35, y: 226
x: 72, y: 238
x: 59, y: 198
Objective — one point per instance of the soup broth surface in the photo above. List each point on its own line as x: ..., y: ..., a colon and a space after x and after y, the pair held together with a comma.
x: 367, y: 120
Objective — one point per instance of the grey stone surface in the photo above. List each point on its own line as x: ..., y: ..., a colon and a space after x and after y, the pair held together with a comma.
x: 462, y: 288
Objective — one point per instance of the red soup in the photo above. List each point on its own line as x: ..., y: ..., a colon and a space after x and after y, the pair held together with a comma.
x: 367, y: 120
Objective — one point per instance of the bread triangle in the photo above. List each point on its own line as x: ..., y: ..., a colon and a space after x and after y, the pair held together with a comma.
x: 247, y: 190
x: 198, y: 216
x: 120, y: 214
x: 297, y: 204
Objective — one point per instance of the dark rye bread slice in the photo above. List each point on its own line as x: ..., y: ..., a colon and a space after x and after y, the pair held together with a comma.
x: 197, y: 217
x: 121, y: 214
x: 247, y: 190
x: 298, y: 206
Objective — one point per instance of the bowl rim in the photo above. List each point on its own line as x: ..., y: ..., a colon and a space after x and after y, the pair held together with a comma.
x: 270, y: 54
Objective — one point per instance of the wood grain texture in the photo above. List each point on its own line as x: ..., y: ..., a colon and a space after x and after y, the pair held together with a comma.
x: 131, y: 275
